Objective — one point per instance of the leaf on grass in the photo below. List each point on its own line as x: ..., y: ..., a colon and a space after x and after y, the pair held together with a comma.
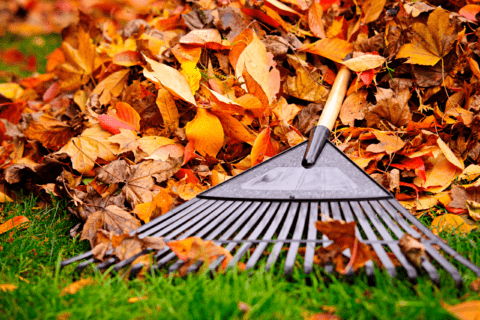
x: 13, y: 223
x: 171, y: 79
x: 468, y: 310
x: 473, y: 208
x: 5, y: 287
x: 137, y: 299
x: 76, y: 286
x: 450, y: 223
x: 334, y: 49
x: 206, y: 132
x: 431, y: 42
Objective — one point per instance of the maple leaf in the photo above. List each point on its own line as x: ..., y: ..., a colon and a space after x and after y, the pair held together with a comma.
x: 431, y: 42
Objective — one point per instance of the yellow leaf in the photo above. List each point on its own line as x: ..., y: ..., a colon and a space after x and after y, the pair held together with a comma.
x: 188, y: 58
x: 235, y: 129
x: 171, y: 79
x: 449, y: 154
x: 136, y: 299
x: 334, y: 49
x: 432, y: 41
x: 206, y: 132
x: 76, y: 286
x: 193, y: 75
x: 3, y: 195
x: 468, y: 310
x: 450, y: 222
x: 422, y: 203
x: 168, y: 109
x: 11, y: 91
x: 372, y: 9
x: 7, y: 287
x: 471, y: 172
x: 365, y: 62
x: 150, y: 144
x: 473, y: 209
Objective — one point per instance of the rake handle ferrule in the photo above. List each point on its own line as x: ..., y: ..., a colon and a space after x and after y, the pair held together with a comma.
x: 320, y: 134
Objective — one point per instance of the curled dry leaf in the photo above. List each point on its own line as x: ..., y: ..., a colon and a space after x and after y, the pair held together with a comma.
x: 354, y: 107
x: 413, y: 249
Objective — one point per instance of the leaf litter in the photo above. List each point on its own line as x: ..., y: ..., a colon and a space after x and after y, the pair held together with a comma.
x: 133, y: 119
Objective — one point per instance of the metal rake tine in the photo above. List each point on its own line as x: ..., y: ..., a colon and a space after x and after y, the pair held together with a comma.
x: 312, y: 235
x: 292, y: 211
x: 81, y: 266
x: 433, y: 253
x: 183, y: 208
x: 297, y: 234
x: 126, y: 262
x: 244, y: 231
x: 325, y: 211
x: 185, y: 222
x: 374, y: 217
x: 226, y: 211
x: 268, y: 235
x: 440, y: 243
x: 85, y: 255
x: 255, y: 233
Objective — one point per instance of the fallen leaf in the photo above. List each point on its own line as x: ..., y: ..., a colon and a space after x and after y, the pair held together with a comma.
x: 52, y: 133
x: 473, y: 208
x: 470, y: 12
x: 391, y: 106
x: 469, y: 310
x: 432, y: 42
x: 111, y: 86
x: 13, y: 223
x: 388, y: 143
x: 372, y: 9
x: 137, y: 299
x: 449, y: 154
x: 171, y: 79
x: 5, y: 287
x: 206, y: 132
x: 168, y: 109
x: 413, y: 249
x: 450, y: 223
x: 263, y: 147
x: 365, y: 62
x: 334, y: 49
x: 76, y: 286
x: 315, y: 14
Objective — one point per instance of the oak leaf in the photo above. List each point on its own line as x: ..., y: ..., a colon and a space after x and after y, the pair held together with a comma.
x: 431, y: 42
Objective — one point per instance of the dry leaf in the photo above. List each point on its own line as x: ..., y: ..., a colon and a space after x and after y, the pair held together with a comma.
x: 365, y: 62
x: 388, y: 143
x: 168, y: 109
x: 450, y: 223
x: 76, y: 286
x: 13, y: 223
x: 469, y: 310
x: 334, y: 49
x: 4, y: 287
x: 431, y: 42
x: 390, y: 106
x: 206, y: 132
x: 413, y: 249
x: 263, y: 147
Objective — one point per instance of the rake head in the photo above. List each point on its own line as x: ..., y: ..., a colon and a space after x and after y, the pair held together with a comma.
x: 272, y: 206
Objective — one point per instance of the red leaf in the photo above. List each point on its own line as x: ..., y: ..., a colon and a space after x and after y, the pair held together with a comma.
x: 13, y: 56
x: 190, y: 176
x: 189, y: 152
x: 125, y: 113
x: 416, y: 164
x: 112, y: 124
x: 51, y: 92
x: 456, y: 210
x: 470, y: 12
x: 367, y: 76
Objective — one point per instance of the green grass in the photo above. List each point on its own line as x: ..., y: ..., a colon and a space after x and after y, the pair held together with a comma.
x: 39, y: 46
x: 34, y: 254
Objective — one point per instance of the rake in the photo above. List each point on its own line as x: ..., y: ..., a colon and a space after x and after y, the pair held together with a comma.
x: 277, y: 203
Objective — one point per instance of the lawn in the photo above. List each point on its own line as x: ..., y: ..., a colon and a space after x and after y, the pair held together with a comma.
x: 30, y: 258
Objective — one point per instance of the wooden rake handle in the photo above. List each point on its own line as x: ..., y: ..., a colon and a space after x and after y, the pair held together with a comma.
x: 319, y: 135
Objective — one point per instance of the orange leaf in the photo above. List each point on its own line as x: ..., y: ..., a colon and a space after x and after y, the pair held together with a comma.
x: 76, y: 286
x: 450, y: 222
x: 470, y: 12
x: 206, y: 132
x: 13, y: 223
x: 263, y: 146
x: 388, y: 143
x: 334, y: 49
x: 315, y: 14
x: 127, y: 58
x: 127, y: 114
x: 468, y: 310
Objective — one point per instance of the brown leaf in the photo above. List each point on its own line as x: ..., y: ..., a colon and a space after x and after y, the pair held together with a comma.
x: 52, y: 133
x: 113, y: 219
x: 413, y: 249
x: 354, y: 107
x: 111, y: 86
x: 391, y: 106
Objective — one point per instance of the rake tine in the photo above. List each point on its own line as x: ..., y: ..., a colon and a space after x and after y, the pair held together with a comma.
x: 312, y: 235
x: 367, y: 207
x: 246, y: 215
x: 382, y: 255
x: 126, y: 262
x: 292, y: 252
x: 268, y: 235
x: 325, y: 212
x: 82, y: 256
x: 440, y: 243
x: 81, y: 266
x: 283, y: 234
x: 184, y: 208
x: 255, y: 233
x: 185, y: 222
x: 106, y: 264
x: 433, y: 253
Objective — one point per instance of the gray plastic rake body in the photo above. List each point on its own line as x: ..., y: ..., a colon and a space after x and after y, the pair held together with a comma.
x: 277, y: 203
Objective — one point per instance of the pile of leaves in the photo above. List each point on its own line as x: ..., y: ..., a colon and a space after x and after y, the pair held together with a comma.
x: 134, y: 118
